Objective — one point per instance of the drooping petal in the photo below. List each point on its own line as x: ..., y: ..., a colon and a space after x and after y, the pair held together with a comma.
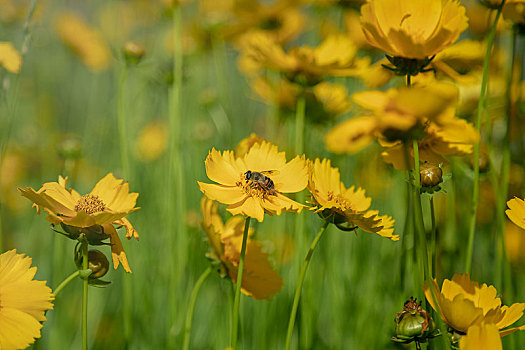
x: 250, y: 206
x: 481, y: 336
x: 117, y: 250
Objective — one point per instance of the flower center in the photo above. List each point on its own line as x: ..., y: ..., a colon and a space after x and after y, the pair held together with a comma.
x: 256, y: 186
x: 90, y: 204
x: 341, y: 201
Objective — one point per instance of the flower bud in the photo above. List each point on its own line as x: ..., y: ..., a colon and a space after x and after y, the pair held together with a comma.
x: 133, y: 52
x: 413, y: 323
x: 70, y: 147
x: 430, y: 175
x: 98, y: 263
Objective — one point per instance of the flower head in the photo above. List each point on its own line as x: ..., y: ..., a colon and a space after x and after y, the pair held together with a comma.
x: 23, y: 301
x: 412, y: 29
x: 10, y: 58
x: 516, y: 211
x: 259, y: 279
x: 464, y: 303
x: 253, y: 184
x: 84, y: 41
x: 107, y: 204
x: 343, y: 205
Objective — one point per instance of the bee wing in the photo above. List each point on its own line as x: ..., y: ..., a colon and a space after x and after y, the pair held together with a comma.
x: 270, y: 172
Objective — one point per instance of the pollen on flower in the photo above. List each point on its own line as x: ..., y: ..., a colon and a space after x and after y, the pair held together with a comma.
x: 342, y: 202
x: 253, y: 188
x: 90, y: 204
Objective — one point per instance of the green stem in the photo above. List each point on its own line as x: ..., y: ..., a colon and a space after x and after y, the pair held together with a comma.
x: 66, y: 282
x: 299, y: 123
x: 121, y: 118
x: 176, y: 191
x: 85, y: 266
x: 433, y: 239
x: 418, y: 214
x: 127, y: 299
x: 191, y: 307
x: 481, y: 104
x: 236, y: 301
x: 299, y: 285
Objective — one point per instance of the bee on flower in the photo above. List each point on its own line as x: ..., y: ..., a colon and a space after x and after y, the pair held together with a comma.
x: 253, y: 184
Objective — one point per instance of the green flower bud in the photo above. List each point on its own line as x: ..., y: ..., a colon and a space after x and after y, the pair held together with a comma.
x: 133, y: 52
x: 98, y: 263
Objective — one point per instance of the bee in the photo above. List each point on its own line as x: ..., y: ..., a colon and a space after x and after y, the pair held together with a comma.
x: 259, y: 178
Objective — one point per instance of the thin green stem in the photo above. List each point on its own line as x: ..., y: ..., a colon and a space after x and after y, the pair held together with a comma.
x: 236, y: 301
x: 191, y: 307
x: 299, y: 123
x: 176, y: 190
x: 85, y: 266
x: 121, y: 119
x: 66, y: 282
x: 481, y: 109
x: 418, y: 214
x: 127, y: 299
x: 433, y: 239
x: 299, y: 285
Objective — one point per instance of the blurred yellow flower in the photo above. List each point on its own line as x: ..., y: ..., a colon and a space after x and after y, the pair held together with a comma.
x: 281, y: 20
x: 455, y: 137
x: 335, y: 56
x: 514, y: 243
x: 333, y: 97
x: 514, y: 11
x: 413, y: 28
x: 152, y: 141
x: 252, y: 185
x: 10, y: 58
x: 345, y: 206
x: 464, y: 303
x: 24, y: 301
x: 246, y: 143
x: 85, y: 41
x: 259, y: 279
x: 107, y: 204
x: 397, y: 114
x: 481, y: 336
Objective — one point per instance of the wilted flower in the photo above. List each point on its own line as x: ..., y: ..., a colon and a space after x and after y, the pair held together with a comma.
x: 253, y: 184
x: 92, y: 214
x: 85, y: 41
x: 413, y: 29
x: 259, y: 279
x: 10, y: 58
x: 24, y: 301
x: 345, y: 206
x: 414, y: 323
x: 464, y: 303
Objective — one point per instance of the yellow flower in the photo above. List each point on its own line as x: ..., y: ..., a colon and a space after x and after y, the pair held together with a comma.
x: 259, y: 279
x: 152, y: 141
x: 333, y: 97
x: 335, y: 56
x: 453, y: 138
x: 464, y: 303
x: 253, y: 184
x: 514, y: 11
x: 481, y: 336
x: 107, y: 204
x: 341, y: 205
x: 397, y: 114
x: 24, y: 301
x: 413, y: 28
x: 245, y: 144
x: 85, y: 41
x: 282, y: 20
x: 10, y: 58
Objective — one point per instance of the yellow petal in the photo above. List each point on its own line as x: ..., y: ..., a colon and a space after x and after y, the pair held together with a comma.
x: 481, y: 336
x: 222, y: 194
x: 292, y: 177
x: 251, y: 207
x: 516, y: 211
x: 117, y: 250
x: 219, y: 167
x: 511, y: 314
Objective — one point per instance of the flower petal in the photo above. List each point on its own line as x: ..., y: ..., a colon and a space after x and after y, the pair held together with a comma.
x: 250, y: 207
x: 222, y: 194
x: 481, y: 336
x: 117, y: 250
x: 219, y: 167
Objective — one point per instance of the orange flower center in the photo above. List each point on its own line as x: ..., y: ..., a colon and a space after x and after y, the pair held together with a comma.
x: 341, y: 201
x: 255, y: 187
x: 90, y: 204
